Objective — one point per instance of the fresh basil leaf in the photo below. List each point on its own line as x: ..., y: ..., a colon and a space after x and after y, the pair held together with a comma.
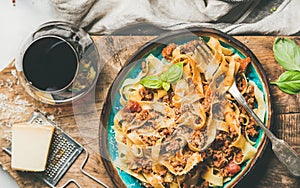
x: 163, y: 77
x: 174, y: 73
x: 166, y: 86
x: 287, y: 53
x: 289, y: 82
x: 153, y: 82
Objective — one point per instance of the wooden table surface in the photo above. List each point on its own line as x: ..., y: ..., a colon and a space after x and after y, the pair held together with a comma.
x: 81, y: 119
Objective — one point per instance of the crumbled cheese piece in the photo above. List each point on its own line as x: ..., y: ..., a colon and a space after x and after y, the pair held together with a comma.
x: 3, y: 97
x: 14, y: 73
x: 19, y: 101
x: 1, y: 83
x: 9, y: 84
x: 51, y: 117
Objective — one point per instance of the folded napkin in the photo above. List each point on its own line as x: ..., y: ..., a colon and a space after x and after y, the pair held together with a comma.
x: 231, y: 16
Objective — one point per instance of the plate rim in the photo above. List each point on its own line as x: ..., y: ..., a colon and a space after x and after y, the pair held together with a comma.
x: 199, y: 31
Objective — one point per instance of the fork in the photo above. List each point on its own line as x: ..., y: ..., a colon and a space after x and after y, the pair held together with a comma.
x: 282, y: 150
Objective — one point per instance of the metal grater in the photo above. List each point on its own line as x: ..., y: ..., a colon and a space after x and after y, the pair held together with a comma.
x: 64, y: 150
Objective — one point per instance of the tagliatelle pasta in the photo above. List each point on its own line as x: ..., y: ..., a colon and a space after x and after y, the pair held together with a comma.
x: 176, y: 107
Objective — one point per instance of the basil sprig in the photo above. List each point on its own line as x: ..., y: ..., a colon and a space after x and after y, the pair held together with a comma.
x: 289, y: 82
x: 165, y: 79
x: 287, y: 54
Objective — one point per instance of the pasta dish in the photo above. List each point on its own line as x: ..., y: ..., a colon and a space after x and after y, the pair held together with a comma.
x: 179, y: 126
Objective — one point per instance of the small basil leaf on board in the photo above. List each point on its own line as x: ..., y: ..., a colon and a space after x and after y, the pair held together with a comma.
x: 287, y: 53
x: 153, y: 82
x: 166, y: 86
x: 174, y: 73
x: 289, y: 82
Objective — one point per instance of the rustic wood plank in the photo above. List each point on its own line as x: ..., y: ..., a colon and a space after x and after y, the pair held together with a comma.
x: 287, y: 128
x: 83, y: 126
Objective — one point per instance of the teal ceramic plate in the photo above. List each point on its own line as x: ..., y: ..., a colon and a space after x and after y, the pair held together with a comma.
x: 108, y: 146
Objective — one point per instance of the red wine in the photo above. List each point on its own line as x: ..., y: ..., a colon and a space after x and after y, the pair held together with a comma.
x: 50, y: 63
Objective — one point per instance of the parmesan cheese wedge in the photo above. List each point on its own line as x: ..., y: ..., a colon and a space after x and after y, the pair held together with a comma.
x: 30, y: 146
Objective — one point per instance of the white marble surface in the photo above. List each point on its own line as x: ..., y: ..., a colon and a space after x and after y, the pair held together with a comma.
x: 16, y: 23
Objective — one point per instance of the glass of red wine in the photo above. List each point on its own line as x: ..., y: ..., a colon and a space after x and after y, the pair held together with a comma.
x: 58, y: 63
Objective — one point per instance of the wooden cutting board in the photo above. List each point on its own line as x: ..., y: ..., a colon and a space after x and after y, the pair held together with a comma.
x: 81, y: 119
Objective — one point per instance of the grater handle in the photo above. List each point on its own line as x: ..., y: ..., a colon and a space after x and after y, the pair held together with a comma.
x: 69, y: 182
x: 87, y: 174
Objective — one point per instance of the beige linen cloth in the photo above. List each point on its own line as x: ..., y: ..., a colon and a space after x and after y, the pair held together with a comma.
x: 107, y: 16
